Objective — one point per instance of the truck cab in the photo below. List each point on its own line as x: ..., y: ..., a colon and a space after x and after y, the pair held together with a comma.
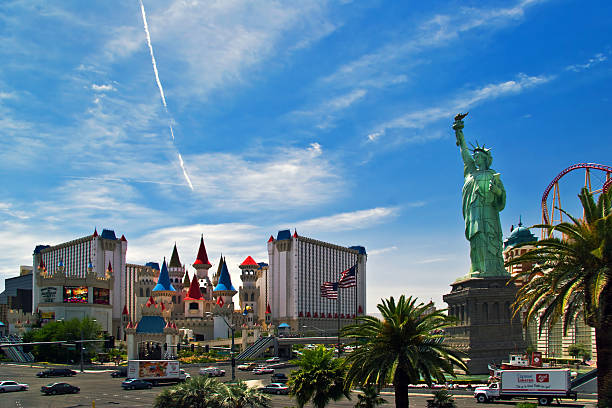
x: 488, y: 393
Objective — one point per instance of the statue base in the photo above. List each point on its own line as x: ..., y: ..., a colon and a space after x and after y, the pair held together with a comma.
x: 485, y: 331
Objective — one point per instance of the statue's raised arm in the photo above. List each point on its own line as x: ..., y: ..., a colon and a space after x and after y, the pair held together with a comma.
x: 468, y: 160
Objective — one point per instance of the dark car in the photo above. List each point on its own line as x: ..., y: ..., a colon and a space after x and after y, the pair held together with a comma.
x: 59, y: 388
x: 135, y: 384
x: 56, y: 372
x: 279, y: 378
x: 121, y: 372
x: 275, y: 388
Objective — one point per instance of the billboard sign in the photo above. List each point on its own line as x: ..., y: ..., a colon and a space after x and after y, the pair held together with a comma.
x: 101, y: 296
x: 75, y: 294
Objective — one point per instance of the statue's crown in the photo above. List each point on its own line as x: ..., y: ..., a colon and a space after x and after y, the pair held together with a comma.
x: 479, y: 148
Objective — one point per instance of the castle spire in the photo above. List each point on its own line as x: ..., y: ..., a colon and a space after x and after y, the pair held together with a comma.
x: 194, y: 292
x: 202, y: 258
x: 175, y: 262
x: 163, y: 282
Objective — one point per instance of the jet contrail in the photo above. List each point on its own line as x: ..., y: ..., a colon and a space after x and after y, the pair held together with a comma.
x: 148, y: 35
x: 161, y: 90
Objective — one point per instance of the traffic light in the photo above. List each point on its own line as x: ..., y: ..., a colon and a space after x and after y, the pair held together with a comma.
x: 192, y: 347
x: 207, y: 348
x: 178, y: 347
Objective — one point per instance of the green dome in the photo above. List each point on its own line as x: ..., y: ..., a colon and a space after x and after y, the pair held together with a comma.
x: 518, y: 236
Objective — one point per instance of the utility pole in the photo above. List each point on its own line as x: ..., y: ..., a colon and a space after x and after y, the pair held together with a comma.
x: 233, y: 362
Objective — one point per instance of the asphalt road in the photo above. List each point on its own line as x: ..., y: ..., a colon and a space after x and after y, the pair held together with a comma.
x: 107, y: 392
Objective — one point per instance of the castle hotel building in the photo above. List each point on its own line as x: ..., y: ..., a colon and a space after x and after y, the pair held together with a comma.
x: 83, y: 277
x: 298, y: 266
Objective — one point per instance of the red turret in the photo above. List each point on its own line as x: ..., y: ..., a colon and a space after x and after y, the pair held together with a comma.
x: 194, y: 291
x: 268, y: 309
x: 271, y: 239
x: 249, y: 262
x: 295, y: 235
x: 202, y: 258
x: 123, y: 238
x: 125, y: 310
x: 110, y: 267
x: 95, y: 234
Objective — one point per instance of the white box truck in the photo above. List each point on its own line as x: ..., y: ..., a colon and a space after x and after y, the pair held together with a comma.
x: 156, y: 371
x: 544, y: 384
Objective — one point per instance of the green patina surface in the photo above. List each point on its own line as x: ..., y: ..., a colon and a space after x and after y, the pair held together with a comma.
x: 483, y: 198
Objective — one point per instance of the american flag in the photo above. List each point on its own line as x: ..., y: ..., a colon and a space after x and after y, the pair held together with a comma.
x: 329, y: 290
x: 349, y: 278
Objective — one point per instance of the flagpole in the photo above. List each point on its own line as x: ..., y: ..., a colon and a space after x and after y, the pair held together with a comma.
x: 338, y: 314
x: 356, y: 292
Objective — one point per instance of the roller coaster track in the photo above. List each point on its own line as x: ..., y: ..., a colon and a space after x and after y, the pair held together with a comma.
x: 553, y: 183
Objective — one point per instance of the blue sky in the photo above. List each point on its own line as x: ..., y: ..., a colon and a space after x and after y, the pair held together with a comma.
x: 329, y: 117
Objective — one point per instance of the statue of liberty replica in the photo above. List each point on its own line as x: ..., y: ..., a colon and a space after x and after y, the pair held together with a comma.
x: 484, y: 197
x: 481, y: 299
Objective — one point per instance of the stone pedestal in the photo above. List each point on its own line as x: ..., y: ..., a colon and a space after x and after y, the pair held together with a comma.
x: 485, y: 329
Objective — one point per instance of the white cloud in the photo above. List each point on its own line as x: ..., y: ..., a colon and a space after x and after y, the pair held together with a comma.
x: 294, y: 177
x: 7, y: 208
x: 213, y: 44
x: 596, y: 59
x: 325, y: 113
x: 7, y: 95
x: 102, y: 87
x: 350, y: 220
x: 440, y: 30
x: 380, y: 251
x: 420, y: 118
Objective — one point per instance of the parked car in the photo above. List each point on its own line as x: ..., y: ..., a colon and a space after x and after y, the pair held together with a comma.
x: 136, y: 384
x: 59, y: 388
x: 275, y: 388
x: 7, y: 386
x: 121, y: 372
x: 56, y: 372
x: 247, y: 366
x: 263, y: 370
x: 212, y: 372
x: 279, y: 378
x: 273, y: 360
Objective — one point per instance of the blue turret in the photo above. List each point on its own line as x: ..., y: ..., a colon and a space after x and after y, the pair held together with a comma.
x: 225, y: 281
x: 163, y: 282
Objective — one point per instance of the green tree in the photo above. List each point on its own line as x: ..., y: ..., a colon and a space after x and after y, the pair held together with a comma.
x: 443, y: 399
x: 403, y: 347
x: 320, y: 378
x: 199, y: 392
x: 579, y: 351
x: 69, y: 330
x: 572, y: 277
x: 242, y: 396
x: 369, y: 398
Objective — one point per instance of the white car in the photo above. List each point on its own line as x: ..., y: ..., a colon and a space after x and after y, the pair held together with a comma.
x: 212, y: 372
x: 273, y: 360
x: 6, y: 386
x: 263, y: 370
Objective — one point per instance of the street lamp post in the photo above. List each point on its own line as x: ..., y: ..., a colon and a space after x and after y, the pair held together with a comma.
x: 233, y: 362
x: 82, y: 322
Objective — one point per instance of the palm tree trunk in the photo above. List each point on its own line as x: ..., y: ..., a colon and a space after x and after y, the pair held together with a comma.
x: 603, y: 338
x: 400, y: 384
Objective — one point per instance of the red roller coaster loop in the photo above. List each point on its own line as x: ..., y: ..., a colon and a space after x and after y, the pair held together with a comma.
x: 554, y: 185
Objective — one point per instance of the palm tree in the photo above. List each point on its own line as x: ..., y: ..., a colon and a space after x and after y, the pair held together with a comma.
x: 369, y: 397
x: 320, y: 378
x: 403, y: 347
x: 573, y: 276
x: 199, y: 392
x: 241, y: 395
